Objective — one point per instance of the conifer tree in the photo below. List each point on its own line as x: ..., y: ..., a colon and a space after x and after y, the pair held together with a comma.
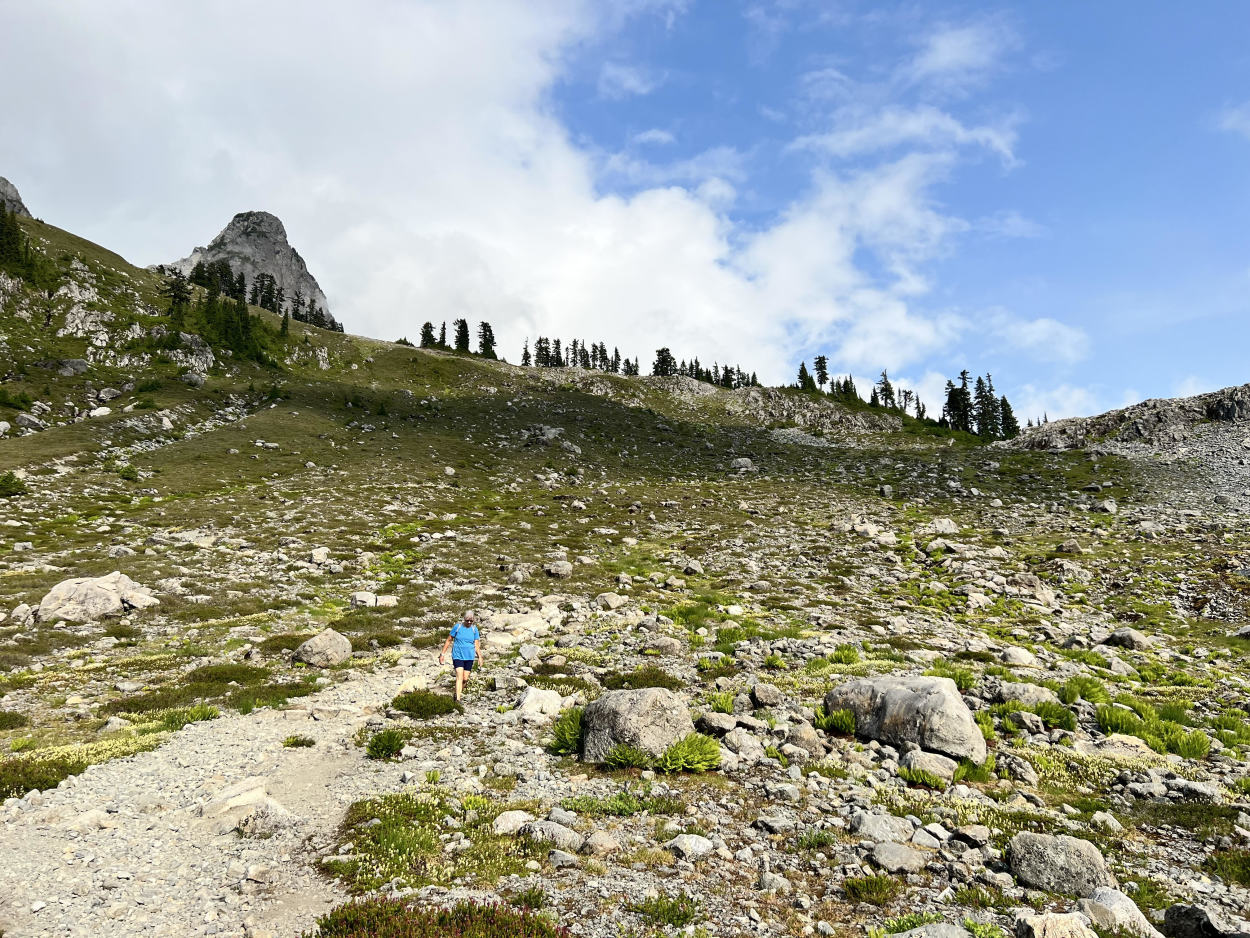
x: 1009, y: 427
x: 806, y: 382
x: 442, y: 335
x: 875, y: 399
x: 462, y: 335
x: 557, y: 354
x: 664, y: 365
x: 885, y: 391
x: 526, y: 359
x: 427, y: 335
x: 286, y: 325
x: 486, y: 341
x: 821, y: 366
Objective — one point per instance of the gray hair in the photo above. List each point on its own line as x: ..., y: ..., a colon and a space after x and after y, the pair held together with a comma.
x: 470, y: 614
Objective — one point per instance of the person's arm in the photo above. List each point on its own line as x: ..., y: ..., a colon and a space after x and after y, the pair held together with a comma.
x: 477, y: 648
x: 443, y: 654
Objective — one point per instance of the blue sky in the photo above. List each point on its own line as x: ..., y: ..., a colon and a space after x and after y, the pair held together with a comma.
x: 1055, y: 193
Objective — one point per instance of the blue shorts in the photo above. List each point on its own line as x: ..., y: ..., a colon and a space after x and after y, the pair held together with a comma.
x: 462, y: 664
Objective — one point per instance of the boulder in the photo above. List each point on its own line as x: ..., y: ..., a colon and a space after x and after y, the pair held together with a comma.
x: 689, y: 846
x: 1054, y: 925
x: 1058, y: 863
x: 881, y: 828
x: 1128, y: 638
x: 930, y: 762
x: 898, y: 858
x: 1193, y: 921
x: 927, y: 711
x: 538, y: 701
x: 510, y: 822
x: 936, y: 930
x: 650, y: 719
x: 324, y: 649
x: 1113, y: 911
x: 85, y: 599
x: 554, y: 834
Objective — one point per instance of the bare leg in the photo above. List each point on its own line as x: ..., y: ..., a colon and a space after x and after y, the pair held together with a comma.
x: 459, y: 682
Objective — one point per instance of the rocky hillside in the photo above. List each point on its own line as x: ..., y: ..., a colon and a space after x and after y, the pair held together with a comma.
x: 255, y: 243
x: 11, y: 199
x: 752, y: 665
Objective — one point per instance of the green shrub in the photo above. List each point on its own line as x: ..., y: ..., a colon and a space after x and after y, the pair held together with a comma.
x: 845, y: 654
x: 1232, y: 866
x: 645, y: 676
x: 985, y: 723
x: 425, y: 705
x: 1113, y: 719
x: 148, y: 385
x: 983, y: 929
x: 1055, y: 715
x: 11, y: 720
x: 300, y: 742
x: 692, y: 753
x: 839, y: 721
x: 964, y: 679
x: 721, y: 701
x: 226, y: 674
x: 969, y: 771
x: 566, y: 732
x: 623, y: 756
x: 533, y: 898
x: 673, y: 911
x: 387, y: 744
x: 774, y: 662
x: 1174, y: 711
x: 401, y: 918
x: 815, y: 838
x: 877, y: 889
x: 11, y: 486
x: 922, y: 777
x: 1193, y: 745
x: 1084, y: 687
x: 909, y: 921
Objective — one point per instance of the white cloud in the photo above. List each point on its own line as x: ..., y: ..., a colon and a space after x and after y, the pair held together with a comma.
x: 1010, y: 224
x: 1044, y: 339
x: 1032, y: 402
x: 423, y: 174
x: 954, y: 58
x: 858, y: 131
x: 618, y: 80
x: 654, y: 136
x: 1192, y: 385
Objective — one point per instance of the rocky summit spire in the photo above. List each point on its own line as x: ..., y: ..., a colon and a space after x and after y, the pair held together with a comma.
x: 255, y: 243
x: 11, y: 199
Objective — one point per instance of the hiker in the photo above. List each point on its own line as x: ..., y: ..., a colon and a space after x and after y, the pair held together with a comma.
x: 465, y: 642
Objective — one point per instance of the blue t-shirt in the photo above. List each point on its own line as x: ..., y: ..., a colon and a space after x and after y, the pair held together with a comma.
x: 462, y: 639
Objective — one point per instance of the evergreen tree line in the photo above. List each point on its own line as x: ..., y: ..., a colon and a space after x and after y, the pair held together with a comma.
x: 217, y: 277
x: 665, y: 365
x: 17, y: 257
x: 222, y: 319
x: 883, y: 394
x: 979, y: 409
x: 461, y: 340
x: 552, y: 353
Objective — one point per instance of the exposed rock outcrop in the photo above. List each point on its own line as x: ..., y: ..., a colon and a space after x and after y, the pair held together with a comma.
x: 1154, y: 422
x: 11, y: 199
x: 255, y: 243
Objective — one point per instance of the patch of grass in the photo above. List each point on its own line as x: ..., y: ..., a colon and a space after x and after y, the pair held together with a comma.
x: 425, y: 705
x: 401, y: 918
x: 566, y: 732
x: 692, y: 753
x: 673, y: 911
x: 985, y: 723
x: 968, y: 771
x: 964, y: 679
x: 398, y: 837
x: 815, y: 838
x: 978, y: 897
x: 983, y: 929
x: 387, y: 743
x: 876, y: 889
x: 121, y: 631
x: 845, y: 654
x: 721, y: 702
x: 624, y: 803
x: 176, y: 719
x: 645, y: 676
x: 1193, y: 817
x: 285, y: 642
x: 45, y: 768
x: 226, y: 674
x: 299, y: 742
x: 533, y: 898
x: 566, y: 685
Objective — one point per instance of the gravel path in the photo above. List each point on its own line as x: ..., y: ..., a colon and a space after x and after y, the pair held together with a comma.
x: 123, y: 848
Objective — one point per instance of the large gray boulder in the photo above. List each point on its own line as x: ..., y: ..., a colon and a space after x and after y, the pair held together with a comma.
x: 1113, y: 911
x: 325, y: 649
x: 927, y: 711
x: 650, y: 719
x: 1195, y: 921
x: 1058, y: 863
x: 85, y: 599
x: 1054, y: 925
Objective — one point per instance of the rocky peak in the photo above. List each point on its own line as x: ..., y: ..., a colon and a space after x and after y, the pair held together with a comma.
x: 256, y: 243
x: 11, y: 199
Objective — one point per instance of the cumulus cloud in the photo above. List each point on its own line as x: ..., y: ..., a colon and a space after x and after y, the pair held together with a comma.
x: 955, y: 58
x: 1033, y: 402
x: 654, y: 136
x: 414, y: 155
x: 1045, y: 339
x: 858, y: 131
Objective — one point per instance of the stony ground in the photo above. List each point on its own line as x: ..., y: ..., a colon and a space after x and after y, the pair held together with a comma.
x: 177, y: 769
